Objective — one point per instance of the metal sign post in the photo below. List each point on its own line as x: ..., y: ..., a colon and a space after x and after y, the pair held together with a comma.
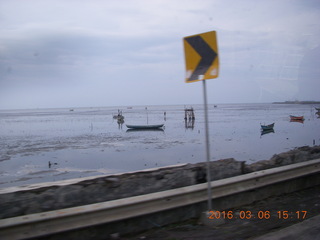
x: 202, y: 62
x: 206, y: 119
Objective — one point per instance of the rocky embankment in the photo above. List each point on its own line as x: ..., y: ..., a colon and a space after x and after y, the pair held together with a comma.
x: 100, y: 189
x: 296, y: 155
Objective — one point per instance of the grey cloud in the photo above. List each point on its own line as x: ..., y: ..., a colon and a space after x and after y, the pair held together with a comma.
x: 92, y: 50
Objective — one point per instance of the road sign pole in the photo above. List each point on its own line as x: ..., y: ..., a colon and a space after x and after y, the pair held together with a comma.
x: 202, y: 62
x: 207, y: 144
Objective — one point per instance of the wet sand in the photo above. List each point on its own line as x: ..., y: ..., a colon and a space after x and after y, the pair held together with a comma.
x: 56, y: 144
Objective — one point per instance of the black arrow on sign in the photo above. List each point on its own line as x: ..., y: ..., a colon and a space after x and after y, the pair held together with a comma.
x: 206, y: 53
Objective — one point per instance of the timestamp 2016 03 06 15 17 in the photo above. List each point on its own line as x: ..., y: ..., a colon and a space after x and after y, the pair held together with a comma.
x: 283, y: 214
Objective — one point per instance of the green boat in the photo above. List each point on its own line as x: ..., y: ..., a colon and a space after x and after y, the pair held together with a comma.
x: 145, y: 130
x: 157, y: 126
x: 267, y: 127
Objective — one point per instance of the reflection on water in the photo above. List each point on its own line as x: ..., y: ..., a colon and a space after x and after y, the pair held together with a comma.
x: 90, y: 141
x: 189, y: 124
x: 297, y: 120
x: 264, y: 132
x: 120, y: 123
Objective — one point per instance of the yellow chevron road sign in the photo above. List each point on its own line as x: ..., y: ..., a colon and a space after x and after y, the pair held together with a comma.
x: 201, y: 56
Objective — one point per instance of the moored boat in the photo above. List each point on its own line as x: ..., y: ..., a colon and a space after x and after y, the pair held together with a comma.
x: 267, y: 127
x: 296, y: 118
x: 156, y: 126
x: 145, y: 130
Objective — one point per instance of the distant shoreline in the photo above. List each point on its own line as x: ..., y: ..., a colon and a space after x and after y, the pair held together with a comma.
x: 297, y: 102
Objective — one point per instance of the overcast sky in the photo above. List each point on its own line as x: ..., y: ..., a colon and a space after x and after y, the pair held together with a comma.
x: 76, y: 53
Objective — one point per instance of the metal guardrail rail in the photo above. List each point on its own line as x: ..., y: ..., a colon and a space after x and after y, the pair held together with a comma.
x: 40, y: 224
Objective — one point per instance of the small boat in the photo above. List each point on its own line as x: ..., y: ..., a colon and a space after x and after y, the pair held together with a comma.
x: 267, y: 127
x: 145, y: 130
x: 157, y: 126
x: 295, y: 118
x: 318, y: 109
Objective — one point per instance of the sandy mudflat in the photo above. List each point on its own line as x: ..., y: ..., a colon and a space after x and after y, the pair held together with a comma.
x: 51, y: 145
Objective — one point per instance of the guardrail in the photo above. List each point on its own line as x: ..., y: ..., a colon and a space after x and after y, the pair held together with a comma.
x: 46, y: 223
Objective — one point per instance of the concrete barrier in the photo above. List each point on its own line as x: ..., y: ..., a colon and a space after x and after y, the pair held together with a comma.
x: 77, y: 192
x: 132, y: 214
x: 44, y: 197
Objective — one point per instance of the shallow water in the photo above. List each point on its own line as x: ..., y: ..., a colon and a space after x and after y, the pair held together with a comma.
x: 88, y: 141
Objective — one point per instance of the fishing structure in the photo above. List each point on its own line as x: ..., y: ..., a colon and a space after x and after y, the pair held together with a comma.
x: 189, y: 118
x: 189, y: 114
